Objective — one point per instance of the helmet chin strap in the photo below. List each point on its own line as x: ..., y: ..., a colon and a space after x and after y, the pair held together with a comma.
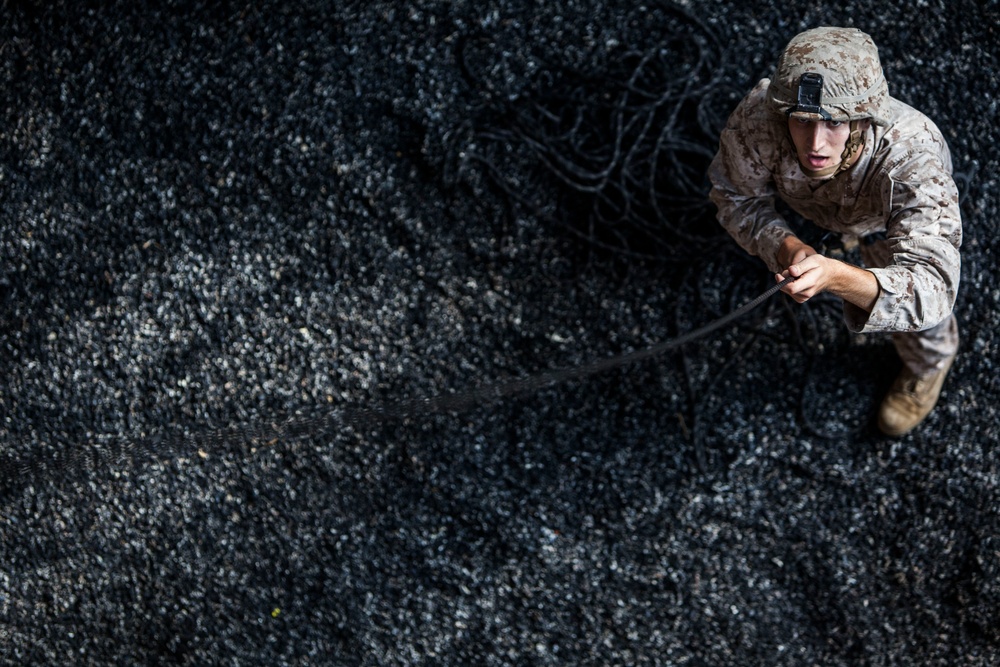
x: 852, y: 149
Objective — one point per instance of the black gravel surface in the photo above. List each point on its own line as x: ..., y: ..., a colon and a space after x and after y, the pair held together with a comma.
x: 254, y: 256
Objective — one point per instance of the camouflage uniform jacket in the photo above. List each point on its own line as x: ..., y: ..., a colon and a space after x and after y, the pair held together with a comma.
x: 901, y: 185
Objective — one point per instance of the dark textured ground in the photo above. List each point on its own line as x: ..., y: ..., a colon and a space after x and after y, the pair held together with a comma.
x: 222, y: 216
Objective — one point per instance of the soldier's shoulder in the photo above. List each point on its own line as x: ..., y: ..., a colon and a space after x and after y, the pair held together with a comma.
x: 754, y: 114
x: 912, y: 138
x: 755, y: 105
x: 909, y: 122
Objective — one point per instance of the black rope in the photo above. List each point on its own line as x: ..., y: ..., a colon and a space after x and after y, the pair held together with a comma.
x: 496, y: 391
x: 59, y: 463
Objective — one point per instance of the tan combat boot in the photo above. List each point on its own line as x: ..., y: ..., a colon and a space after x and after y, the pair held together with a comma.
x: 910, y: 399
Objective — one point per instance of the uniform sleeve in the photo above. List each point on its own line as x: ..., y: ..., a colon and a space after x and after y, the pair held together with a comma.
x: 919, y: 284
x: 743, y: 188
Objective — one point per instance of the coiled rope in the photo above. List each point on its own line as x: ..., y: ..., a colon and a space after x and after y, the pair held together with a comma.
x: 615, y: 154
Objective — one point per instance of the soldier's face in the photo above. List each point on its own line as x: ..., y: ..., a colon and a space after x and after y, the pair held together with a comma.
x: 819, y: 144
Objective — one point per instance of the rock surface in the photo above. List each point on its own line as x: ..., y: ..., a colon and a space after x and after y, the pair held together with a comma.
x: 253, y: 255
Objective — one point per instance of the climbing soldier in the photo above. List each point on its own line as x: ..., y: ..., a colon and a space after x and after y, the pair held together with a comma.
x: 825, y: 136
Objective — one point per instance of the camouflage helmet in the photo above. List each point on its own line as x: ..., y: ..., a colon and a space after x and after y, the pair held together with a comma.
x: 830, y: 74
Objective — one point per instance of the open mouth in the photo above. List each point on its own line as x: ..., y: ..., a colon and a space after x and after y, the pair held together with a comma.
x: 816, y: 161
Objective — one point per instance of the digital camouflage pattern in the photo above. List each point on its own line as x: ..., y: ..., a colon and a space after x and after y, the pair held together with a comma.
x: 901, y: 184
x: 854, y: 85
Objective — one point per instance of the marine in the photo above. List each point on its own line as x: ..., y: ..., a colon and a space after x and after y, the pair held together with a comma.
x: 824, y: 136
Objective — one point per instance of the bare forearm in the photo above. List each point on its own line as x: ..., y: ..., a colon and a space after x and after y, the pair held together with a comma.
x: 854, y: 285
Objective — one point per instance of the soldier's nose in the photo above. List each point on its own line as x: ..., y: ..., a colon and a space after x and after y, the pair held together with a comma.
x: 815, y: 137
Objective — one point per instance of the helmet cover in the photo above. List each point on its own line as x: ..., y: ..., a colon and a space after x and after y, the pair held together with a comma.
x: 830, y: 74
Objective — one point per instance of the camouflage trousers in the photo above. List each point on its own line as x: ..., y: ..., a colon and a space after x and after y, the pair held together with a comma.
x: 923, y: 352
